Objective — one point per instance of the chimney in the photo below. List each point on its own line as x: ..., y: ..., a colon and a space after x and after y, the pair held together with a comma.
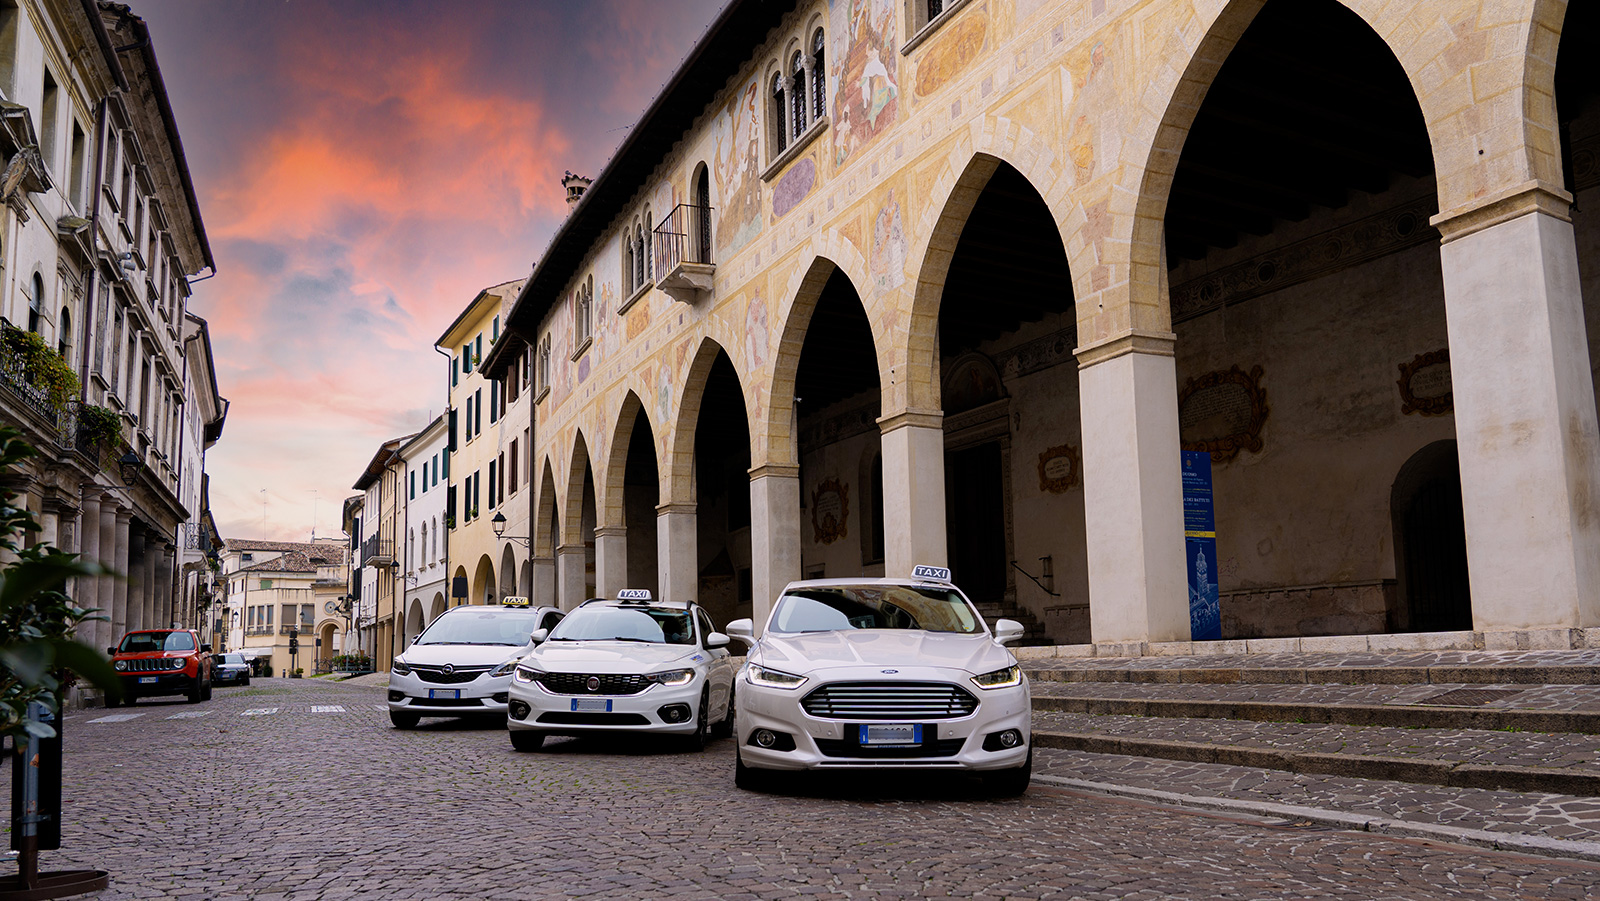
x: 575, y: 185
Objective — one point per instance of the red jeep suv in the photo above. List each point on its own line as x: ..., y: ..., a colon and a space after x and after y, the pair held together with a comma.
x: 162, y: 662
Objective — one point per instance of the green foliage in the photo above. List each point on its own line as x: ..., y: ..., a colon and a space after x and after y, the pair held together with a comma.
x: 44, y: 366
x: 348, y: 662
x: 102, y: 425
x: 38, y: 657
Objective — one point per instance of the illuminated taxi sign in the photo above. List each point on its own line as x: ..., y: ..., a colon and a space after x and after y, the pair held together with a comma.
x: 931, y: 573
x: 634, y: 594
x: 515, y: 601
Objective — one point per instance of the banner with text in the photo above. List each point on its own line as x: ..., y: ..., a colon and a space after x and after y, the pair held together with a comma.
x: 1200, y: 548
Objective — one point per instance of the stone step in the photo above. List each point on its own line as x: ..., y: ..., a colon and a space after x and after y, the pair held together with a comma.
x: 1241, y: 674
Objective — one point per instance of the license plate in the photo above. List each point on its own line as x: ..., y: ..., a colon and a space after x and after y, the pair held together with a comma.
x: 591, y: 705
x: 451, y: 694
x: 149, y: 680
x: 891, y: 734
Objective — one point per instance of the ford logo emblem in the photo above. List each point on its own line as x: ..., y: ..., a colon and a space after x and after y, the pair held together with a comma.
x: 593, y: 684
x: 889, y: 672
x: 449, y: 668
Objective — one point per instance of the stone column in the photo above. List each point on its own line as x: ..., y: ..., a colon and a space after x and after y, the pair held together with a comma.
x: 1133, y: 489
x: 49, y: 521
x: 544, y: 581
x: 913, y: 492
x: 152, y: 569
x: 678, y: 552
x: 1525, y: 411
x: 86, y: 592
x: 137, y: 587
x: 774, y: 535
x: 166, y: 610
x: 571, y: 562
x: 610, y: 560
x: 122, y: 616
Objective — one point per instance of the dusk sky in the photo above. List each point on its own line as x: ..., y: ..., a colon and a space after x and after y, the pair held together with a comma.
x: 363, y: 170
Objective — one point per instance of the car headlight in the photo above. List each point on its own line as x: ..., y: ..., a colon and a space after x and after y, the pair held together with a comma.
x: 771, y: 678
x: 177, y: 663
x: 525, y: 674
x: 121, y: 666
x: 399, y: 668
x: 503, y: 669
x: 1000, y: 678
x: 672, y: 677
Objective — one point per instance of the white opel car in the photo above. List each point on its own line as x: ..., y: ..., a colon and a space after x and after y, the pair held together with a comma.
x: 461, y: 664
x: 856, y: 673
x: 625, y: 665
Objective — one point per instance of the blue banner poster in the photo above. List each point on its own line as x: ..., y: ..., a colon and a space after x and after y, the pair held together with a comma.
x: 1200, y: 548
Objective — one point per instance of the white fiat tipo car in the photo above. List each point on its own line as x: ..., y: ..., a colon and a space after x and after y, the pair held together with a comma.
x: 856, y: 673
x: 461, y: 664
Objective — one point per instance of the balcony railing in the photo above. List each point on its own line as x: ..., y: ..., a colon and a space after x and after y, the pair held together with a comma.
x: 302, y: 628
x: 258, y: 630
x: 683, y: 252
x: 377, y: 551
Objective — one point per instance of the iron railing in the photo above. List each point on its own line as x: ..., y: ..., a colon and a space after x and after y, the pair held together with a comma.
x: 377, y: 547
x: 684, y: 236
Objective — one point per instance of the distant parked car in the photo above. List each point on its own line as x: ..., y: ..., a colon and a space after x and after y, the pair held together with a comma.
x: 460, y: 666
x: 163, y: 662
x: 231, y: 669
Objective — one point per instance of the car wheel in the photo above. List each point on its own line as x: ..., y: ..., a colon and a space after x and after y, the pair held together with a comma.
x: 206, y: 696
x: 404, y: 720
x: 246, y: 681
x: 702, y: 723
x: 725, y: 728
x: 197, y: 693
x: 1012, y: 782
x: 112, y: 700
x: 527, y: 740
x: 749, y: 778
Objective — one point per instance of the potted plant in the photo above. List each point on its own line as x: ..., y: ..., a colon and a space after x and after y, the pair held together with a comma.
x: 299, y: 673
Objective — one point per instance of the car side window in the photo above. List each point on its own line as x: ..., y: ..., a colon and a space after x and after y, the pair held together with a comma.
x: 550, y: 620
x: 705, y: 627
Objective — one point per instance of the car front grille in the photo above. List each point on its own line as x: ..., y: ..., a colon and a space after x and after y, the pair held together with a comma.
x: 153, y: 665
x: 578, y: 683
x: 438, y: 676
x: 907, y: 701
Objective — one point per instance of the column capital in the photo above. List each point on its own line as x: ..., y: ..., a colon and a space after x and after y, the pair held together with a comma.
x: 775, y: 470
x: 124, y: 515
x: 563, y: 549
x: 1533, y: 196
x: 907, y: 419
x: 689, y: 509
x: 1132, y: 341
x: 611, y: 532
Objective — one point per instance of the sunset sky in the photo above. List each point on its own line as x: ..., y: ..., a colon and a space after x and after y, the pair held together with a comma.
x: 363, y: 169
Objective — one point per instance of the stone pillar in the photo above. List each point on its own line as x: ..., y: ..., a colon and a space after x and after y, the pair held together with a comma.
x: 49, y: 522
x: 1133, y: 489
x: 571, y: 561
x: 678, y: 552
x: 610, y: 560
x: 774, y: 535
x: 122, y: 614
x: 544, y: 581
x: 1525, y: 411
x: 86, y: 592
x: 166, y: 610
x: 913, y: 492
x: 137, y: 587
x: 152, y: 569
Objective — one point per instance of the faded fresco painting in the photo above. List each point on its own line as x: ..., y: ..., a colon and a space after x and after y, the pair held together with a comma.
x: 888, y: 246
x: 736, y: 138
x: 866, y: 92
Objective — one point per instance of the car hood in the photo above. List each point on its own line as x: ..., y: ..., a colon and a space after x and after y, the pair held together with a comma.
x: 461, y: 654
x: 612, y: 656
x: 881, y: 647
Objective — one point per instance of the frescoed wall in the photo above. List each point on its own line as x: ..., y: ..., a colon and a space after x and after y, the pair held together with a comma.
x: 865, y: 79
x: 736, y: 137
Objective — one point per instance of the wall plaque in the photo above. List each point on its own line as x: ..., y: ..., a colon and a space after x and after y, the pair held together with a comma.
x: 1060, y: 468
x: 1222, y: 413
x: 830, y: 511
x: 1425, y: 384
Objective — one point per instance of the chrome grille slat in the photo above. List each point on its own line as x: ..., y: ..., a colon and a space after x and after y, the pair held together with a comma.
x: 438, y: 676
x: 610, y: 683
x: 889, y: 701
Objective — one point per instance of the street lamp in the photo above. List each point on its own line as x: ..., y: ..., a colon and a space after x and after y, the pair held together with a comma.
x: 499, y: 524
x: 128, y: 465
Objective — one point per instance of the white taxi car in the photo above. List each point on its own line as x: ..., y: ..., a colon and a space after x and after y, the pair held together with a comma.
x: 461, y: 664
x: 854, y: 673
x: 625, y: 665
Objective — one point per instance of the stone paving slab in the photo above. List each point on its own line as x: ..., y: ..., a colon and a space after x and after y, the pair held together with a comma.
x: 1555, y: 698
x: 1364, y: 667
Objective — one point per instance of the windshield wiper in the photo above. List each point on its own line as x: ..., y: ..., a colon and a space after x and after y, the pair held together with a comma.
x: 639, y: 640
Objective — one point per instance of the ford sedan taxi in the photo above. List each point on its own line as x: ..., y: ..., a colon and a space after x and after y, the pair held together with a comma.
x: 460, y: 666
x: 626, y: 665
x: 859, y: 673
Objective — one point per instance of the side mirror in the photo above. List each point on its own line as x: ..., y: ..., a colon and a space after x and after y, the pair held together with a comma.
x: 743, y: 630
x: 538, y: 636
x: 111, y: 651
x: 1007, y: 631
x: 716, y: 640
x: 205, y: 649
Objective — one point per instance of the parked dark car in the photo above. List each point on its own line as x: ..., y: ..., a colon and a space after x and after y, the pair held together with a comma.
x: 231, y: 669
x: 163, y: 662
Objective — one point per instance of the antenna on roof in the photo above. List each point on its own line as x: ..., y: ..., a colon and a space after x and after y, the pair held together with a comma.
x: 314, y: 498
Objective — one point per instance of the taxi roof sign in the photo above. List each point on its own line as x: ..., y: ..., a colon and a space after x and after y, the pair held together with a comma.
x: 515, y: 600
x: 634, y: 594
x: 932, y: 573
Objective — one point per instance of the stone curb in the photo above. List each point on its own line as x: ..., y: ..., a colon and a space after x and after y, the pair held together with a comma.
x: 1333, y: 714
x: 1454, y: 674
x: 1542, y: 846
x: 1399, y: 769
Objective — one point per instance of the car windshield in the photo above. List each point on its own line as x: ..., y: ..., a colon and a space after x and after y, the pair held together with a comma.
x: 655, y: 625
x: 235, y: 659
x: 836, y: 608
x: 146, y: 642
x: 481, y: 625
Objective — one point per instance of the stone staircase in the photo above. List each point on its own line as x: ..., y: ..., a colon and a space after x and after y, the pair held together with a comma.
x: 1033, y: 633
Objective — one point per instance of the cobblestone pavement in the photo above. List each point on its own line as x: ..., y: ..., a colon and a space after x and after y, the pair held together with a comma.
x: 300, y: 789
x: 1550, y: 698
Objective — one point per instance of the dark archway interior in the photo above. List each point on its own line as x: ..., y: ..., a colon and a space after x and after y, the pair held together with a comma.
x: 1310, y: 106
x: 1577, y: 72
x: 1009, y: 266
x: 1430, y: 543
x: 722, y: 494
x: 838, y: 359
x: 641, y: 491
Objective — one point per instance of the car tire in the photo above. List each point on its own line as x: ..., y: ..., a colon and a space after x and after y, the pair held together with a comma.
x: 197, y: 693
x: 1010, y: 783
x: 724, y: 729
x: 702, y: 723
x: 403, y: 720
x: 526, y: 740
x: 747, y: 778
x: 112, y: 700
x: 246, y: 681
x: 206, y: 694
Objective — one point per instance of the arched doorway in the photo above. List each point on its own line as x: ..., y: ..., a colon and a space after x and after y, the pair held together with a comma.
x: 437, y: 607
x: 483, y: 582
x: 1430, y: 543
x: 326, y: 649
x: 1303, y: 279
x: 641, y: 492
x: 1578, y: 115
x: 414, y: 622
x: 722, y: 493
x: 508, y: 572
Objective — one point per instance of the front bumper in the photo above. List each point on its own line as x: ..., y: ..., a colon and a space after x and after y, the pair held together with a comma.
x: 555, y: 714
x: 483, y: 696
x: 969, y: 742
x: 146, y: 685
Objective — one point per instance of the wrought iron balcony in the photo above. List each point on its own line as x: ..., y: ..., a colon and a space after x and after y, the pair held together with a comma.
x: 377, y: 552
x: 683, y: 252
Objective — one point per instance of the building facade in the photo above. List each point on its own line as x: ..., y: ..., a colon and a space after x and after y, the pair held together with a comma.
x: 382, y: 523
x: 276, y: 592
x: 879, y: 284
x: 427, y: 545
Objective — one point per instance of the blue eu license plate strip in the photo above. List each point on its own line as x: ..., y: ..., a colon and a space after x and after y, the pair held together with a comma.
x: 591, y: 705
x: 450, y: 694
x: 878, y: 734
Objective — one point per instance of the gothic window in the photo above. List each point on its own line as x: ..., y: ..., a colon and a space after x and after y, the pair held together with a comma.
x: 36, y: 304
x: 649, y: 263
x: 780, y: 134
x: 797, y: 100
x: 819, y: 76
